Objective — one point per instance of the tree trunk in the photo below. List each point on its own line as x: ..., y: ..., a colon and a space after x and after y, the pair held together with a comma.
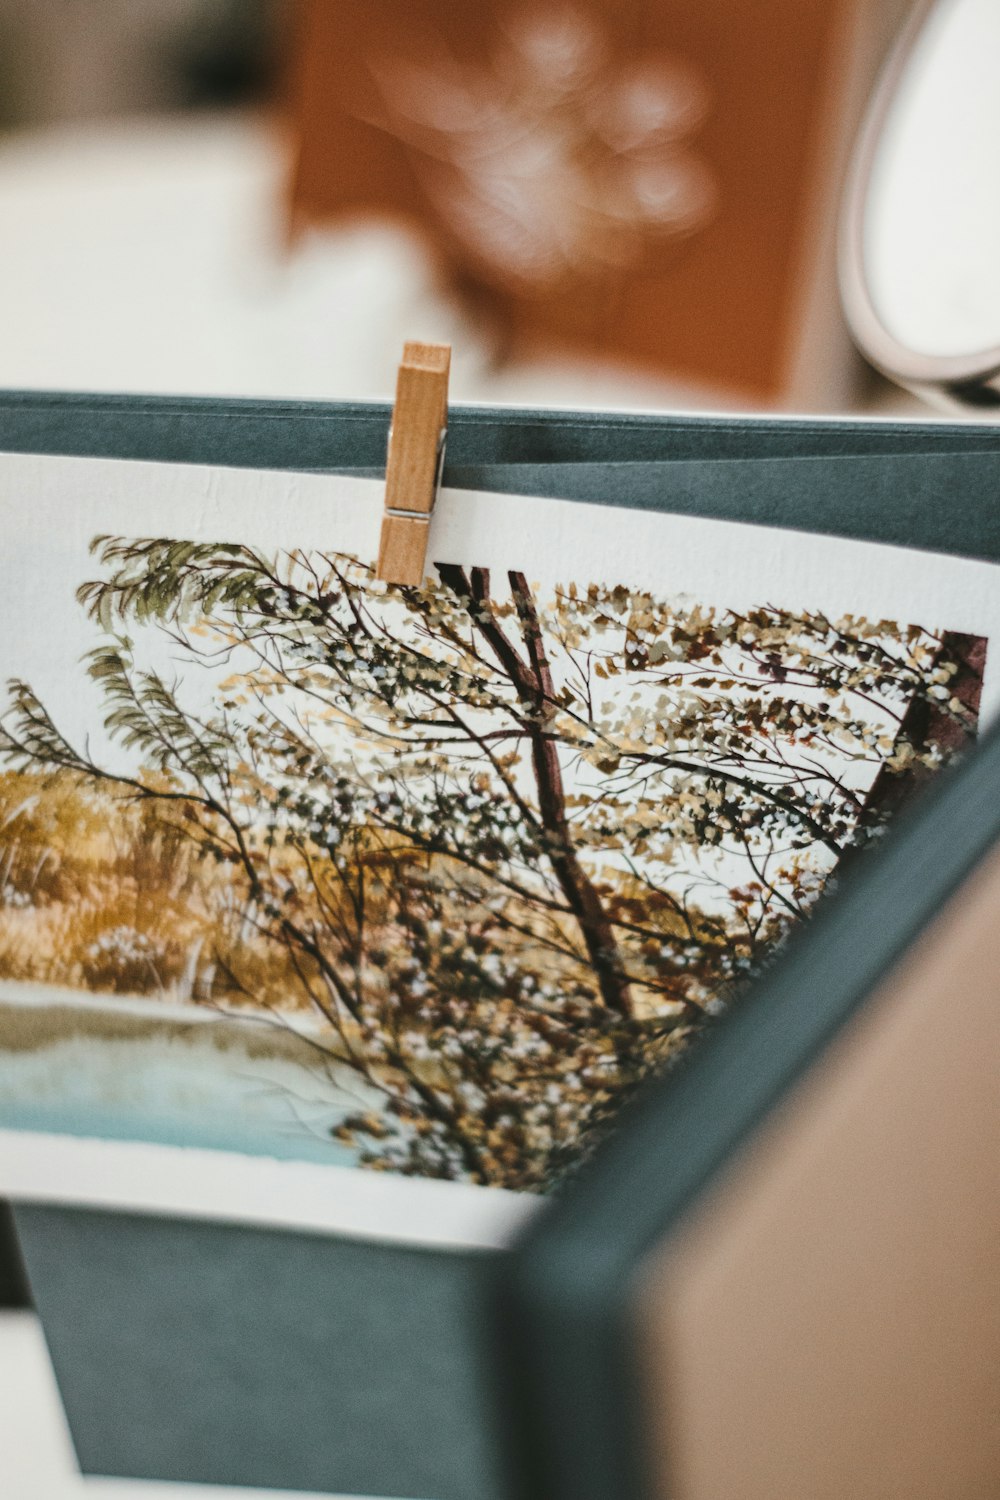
x: 929, y: 725
x: 532, y: 680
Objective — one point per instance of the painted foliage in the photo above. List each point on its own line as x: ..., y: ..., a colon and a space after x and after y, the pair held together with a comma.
x: 511, y: 848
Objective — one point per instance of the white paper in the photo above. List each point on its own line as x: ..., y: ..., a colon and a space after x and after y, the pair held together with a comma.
x: 52, y: 508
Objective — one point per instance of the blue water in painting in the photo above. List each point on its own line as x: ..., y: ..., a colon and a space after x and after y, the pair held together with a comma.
x: 94, y: 1067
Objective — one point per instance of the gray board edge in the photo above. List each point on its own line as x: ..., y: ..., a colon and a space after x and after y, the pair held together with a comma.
x: 333, y: 436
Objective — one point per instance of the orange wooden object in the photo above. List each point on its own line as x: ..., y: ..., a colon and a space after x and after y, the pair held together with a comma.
x: 413, y: 464
x: 651, y: 182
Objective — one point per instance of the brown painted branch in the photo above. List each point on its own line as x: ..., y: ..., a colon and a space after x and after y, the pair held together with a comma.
x: 582, y: 896
x: 532, y: 680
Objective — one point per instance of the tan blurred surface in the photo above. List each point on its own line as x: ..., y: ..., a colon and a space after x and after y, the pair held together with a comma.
x: 826, y: 1323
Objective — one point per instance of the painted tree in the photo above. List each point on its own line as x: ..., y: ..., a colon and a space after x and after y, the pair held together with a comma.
x: 517, y: 847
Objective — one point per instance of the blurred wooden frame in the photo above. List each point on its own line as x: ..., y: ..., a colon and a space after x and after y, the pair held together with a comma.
x: 414, y: 461
x: 741, y: 308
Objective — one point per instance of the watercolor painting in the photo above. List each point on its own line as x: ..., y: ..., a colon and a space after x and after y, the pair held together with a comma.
x: 474, y: 859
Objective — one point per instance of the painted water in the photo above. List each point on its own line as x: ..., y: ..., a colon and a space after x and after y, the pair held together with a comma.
x: 175, y: 1074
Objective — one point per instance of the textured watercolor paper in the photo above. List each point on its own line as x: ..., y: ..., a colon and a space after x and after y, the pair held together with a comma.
x: 364, y: 909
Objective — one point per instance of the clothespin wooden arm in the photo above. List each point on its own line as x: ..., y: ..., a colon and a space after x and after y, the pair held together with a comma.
x: 414, y: 461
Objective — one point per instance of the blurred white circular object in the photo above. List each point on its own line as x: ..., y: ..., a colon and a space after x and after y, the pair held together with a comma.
x: 921, y: 254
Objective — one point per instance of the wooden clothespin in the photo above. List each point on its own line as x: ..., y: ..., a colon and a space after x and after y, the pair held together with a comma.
x: 414, y: 462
